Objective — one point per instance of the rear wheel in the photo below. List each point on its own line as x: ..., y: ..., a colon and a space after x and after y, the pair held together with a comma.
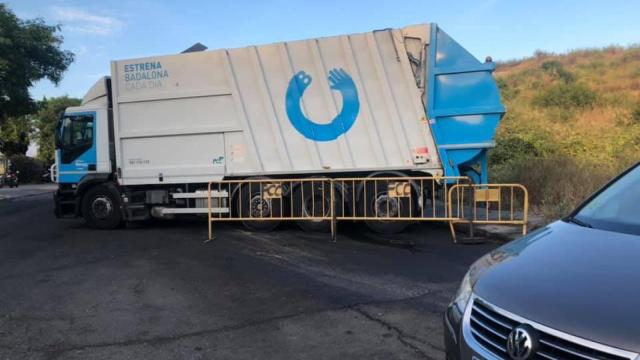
x: 313, y: 200
x: 252, y: 202
x: 101, y: 207
x: 378, y: 203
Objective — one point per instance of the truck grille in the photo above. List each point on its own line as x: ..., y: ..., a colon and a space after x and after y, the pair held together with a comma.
x: 491, y: 328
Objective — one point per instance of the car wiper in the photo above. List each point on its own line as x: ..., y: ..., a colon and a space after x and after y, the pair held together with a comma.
x: 573, y: 220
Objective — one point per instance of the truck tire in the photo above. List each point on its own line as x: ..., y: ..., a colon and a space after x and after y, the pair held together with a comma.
x: 101, y: 208
x: 311, y: 200
x: 378, y: 204
x: 252, y: 203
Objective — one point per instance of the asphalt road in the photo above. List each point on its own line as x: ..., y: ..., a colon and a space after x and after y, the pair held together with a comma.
x: 157, y: 291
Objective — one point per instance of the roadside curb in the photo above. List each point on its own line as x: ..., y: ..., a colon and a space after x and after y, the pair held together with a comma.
x: 24, y: 196
x: 27, y: 195
x: 501, y: 234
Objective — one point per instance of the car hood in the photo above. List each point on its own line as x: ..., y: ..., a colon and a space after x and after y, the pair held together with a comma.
x: 581, y: 281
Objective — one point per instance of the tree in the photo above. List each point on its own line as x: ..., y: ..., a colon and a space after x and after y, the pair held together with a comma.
x: 29, y: 51
x: 15, y: 134
x: 45, y: 121
x: 30, y: 169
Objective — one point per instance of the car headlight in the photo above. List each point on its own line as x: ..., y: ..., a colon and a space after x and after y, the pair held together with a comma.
x: 464, y: 292
x: 469, y: 281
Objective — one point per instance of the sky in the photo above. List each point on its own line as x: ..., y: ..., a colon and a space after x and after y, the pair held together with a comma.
x: 101, y: 31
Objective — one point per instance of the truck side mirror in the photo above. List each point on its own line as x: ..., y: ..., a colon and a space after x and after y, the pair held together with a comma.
x: 57, y: 131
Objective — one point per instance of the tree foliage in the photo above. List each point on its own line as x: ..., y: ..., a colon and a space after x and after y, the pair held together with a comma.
x: 45, y: 121
x: 29, y: 51
x: 15, y: 135
x: 30, y: 169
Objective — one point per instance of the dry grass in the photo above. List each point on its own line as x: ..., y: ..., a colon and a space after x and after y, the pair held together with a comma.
x: 556, y: 184
x: 570, y: 143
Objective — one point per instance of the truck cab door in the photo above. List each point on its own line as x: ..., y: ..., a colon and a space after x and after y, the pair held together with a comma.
x: 76, y: 150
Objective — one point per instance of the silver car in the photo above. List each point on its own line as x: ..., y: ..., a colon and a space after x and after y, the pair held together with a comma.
x: 570, y: 290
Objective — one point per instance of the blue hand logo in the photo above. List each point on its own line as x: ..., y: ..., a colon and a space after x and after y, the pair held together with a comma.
x: 339, y: 80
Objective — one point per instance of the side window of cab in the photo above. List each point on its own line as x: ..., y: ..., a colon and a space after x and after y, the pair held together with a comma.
x: 76, y: 136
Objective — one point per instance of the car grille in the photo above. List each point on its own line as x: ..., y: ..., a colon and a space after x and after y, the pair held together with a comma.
x: 490, y: 329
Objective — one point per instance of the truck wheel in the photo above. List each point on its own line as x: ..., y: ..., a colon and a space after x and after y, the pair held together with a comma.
x: 380, y: 204
x: 101, y: 209
x: 311, y: 200
x: 251, y: 203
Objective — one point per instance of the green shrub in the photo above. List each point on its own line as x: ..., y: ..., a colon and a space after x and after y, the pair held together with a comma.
x: 635, y: 114
x: 507, y: 92
x: 595, y: 65
x: 511, y: 148
x: 30, y: 169
x: 555, y: 69
x: 571, y: 95
x: 541, y: 53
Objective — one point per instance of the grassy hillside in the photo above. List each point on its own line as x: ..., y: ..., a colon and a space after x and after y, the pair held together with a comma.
x: 573, y: 121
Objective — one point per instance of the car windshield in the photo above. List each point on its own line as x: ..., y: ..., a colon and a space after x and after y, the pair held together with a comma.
x: 617, y: 208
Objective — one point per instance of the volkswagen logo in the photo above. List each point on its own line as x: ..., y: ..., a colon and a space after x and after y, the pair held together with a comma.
x: 522, y: 342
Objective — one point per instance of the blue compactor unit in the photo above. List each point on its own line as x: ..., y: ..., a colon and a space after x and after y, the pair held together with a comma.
x: 463, y: 106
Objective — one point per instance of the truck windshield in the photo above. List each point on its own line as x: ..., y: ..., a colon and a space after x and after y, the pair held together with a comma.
x: 75, y: 136
x: 617, y: 208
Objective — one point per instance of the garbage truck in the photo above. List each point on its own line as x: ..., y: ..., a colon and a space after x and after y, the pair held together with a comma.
x: 147, y: 139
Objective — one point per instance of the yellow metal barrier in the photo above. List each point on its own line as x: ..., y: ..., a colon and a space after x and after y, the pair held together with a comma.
x: 258, y: 200
x: 395, y: 198
x: 262, y: 203
x: 502, y: 204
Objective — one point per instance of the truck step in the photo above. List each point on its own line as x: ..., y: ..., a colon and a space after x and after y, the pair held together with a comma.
x: 201, y: 195
x: 67, y: 208
x: 171, y: 211
x: 135, y: 212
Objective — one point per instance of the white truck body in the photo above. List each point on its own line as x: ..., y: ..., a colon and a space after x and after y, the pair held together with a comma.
x: 202, y: 116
